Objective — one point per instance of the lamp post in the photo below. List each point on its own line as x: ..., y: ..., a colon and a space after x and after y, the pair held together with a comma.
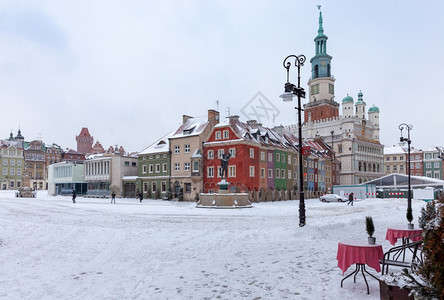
x: 292, y: 90
x: 332, y: 164
x: 409, y: 127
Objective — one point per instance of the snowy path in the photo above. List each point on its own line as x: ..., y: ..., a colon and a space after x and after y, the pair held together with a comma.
x: 52, y: 249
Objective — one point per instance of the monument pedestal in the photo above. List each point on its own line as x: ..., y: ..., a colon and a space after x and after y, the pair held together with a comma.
x: 224, y: 199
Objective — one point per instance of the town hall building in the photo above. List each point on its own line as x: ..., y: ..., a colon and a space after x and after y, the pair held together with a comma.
x: 354, y: 134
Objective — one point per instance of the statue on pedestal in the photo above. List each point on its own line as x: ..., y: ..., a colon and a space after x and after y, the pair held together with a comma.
x: 224, y: 165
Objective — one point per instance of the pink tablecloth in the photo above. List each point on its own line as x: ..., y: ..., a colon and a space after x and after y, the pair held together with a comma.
x: 352, y: 252
x: 394, y: 234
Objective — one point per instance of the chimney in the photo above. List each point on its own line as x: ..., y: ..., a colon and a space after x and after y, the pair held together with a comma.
x: 185, y: 118
x: 234, y: 118
x: 213, y: 117
x: 279, y: 130
x: 252, y: 123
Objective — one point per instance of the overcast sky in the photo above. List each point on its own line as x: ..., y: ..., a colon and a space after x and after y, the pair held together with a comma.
x: 128, y: 70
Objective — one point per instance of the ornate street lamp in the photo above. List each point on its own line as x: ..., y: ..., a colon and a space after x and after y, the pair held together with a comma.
x: 292, y: 90
x: 409, y: 127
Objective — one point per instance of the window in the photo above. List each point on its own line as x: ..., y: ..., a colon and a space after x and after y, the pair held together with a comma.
x: 188, y: 188
x: 262, y: 172
x: 144, y: 168
x: 231, y: 171
x: 12, y: 183
x: 270, y: 157
x: 388, y: 168
x: 145, y: 187
x: 19, y: 171
x: 401, y: 168
x: 278, y: 157
x: 210, y: 171
x: 395, y: 168
x: 12, y: 162
x: 176, y: 149
x: 186, y: 166
x: 429, y: 174
x: 127, y: 164
x: 270, y: 173
x: 428, y: 165
x: 401, y: 158
x: 339, y: 148
x: 220, y: 152
x: 196, y: 166
x: 210, y: 154
x: 394, y: 158
x: 217, y: 136
x: 158, y: 156
x: 289, y: 174
x: 164, y: 167
x: 219, y: 171
x: 436, y: 175
x: 278, y: 173
x: 133, y: 164
x: 226, y: 135
x: 5, y: 162
x: 163, y: 187
x: 19, y: 163
x: 262, y: 155
x: 283, y: 174
x: 289, y: 159
x: 251, y: 153
x: 428, y: 156
x: 232, y: 152
x: 151, y: 168
x: 187, y: 148
x: 154, y: 186
x: 251, y: 171
x: 164, y: 156
x: 12, y: 171
x: 177, y: 167
x: 157, y: 168
x: 283, y: 158
x: 435, y: 164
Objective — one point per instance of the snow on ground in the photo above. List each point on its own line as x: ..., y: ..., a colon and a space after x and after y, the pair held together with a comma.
x: 51, y: 248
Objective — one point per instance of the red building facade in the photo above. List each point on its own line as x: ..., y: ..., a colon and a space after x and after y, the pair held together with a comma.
x: 243, y: 169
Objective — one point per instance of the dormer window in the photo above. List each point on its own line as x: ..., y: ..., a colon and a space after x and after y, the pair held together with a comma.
x: 188, y: 131
x: 226, y: 134
x: 217, y: 135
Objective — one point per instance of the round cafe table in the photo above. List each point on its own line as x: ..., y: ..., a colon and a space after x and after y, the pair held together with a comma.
x: 360, y: 253
x: 393, y: 234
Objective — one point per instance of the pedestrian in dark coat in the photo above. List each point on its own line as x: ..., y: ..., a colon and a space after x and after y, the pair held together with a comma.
x: 113, y: 197
x: 140, y: 197
x: 74, y: 195
x: 350, y: 199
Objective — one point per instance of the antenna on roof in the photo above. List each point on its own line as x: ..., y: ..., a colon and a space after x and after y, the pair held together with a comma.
x: 217, y: 105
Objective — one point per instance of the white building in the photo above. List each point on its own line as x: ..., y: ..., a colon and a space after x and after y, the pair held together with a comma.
x: 104, y: 173
x: 63, y: 177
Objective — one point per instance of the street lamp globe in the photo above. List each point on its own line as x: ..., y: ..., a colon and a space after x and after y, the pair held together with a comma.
x: 287, y: 96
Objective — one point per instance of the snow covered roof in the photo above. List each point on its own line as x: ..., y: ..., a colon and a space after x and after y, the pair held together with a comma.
x: 192, y: 127
x: 401, y: 180
x: 159, y: 146
x: 394, y: 150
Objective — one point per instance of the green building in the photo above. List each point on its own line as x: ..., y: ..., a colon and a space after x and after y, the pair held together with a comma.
x: 12, y: 164
x: 154, y: 173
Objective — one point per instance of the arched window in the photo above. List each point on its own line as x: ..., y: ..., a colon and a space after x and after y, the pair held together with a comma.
x: 359, y: 167
x: 316, y: 71
x: 328, y: 70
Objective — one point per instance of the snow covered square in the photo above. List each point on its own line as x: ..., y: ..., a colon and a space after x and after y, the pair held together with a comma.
x: 51, y: 248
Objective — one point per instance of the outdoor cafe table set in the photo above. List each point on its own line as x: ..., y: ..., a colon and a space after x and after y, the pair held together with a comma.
x: 361, y: 253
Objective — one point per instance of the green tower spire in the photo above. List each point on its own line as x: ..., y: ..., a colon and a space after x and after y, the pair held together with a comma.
x: 321, y: 29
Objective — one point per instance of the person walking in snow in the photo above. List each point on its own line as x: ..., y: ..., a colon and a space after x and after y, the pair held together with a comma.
x: 350, y: 199
x: 113, y: 197
x: 74, y: 195
x: 140, y: 197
